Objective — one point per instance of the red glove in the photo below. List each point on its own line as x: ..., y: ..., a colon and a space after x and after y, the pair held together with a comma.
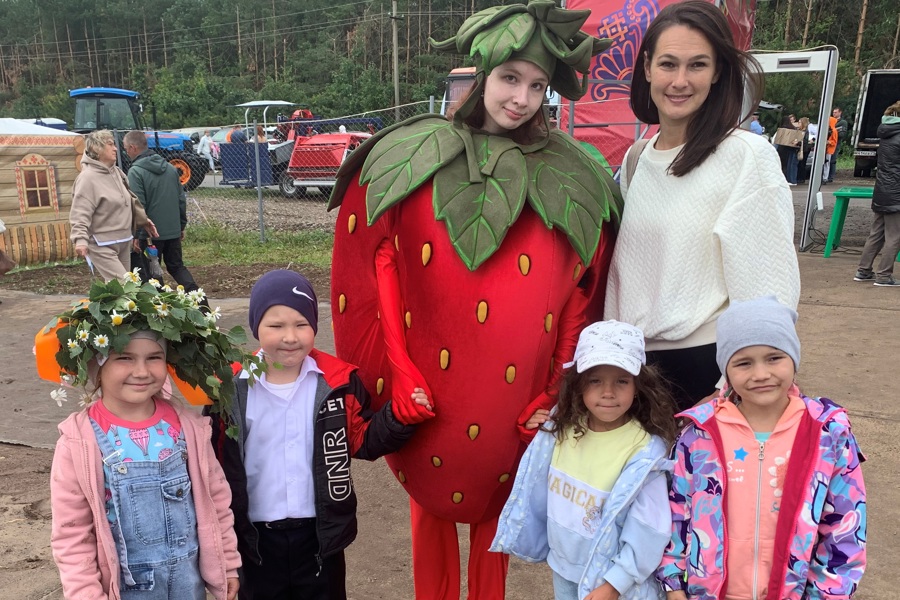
x: 405, y: 376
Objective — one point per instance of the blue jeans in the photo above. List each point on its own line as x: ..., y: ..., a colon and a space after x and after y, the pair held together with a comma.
x: 155, y: 528
x: 563, y: 589
x: 792, y: 167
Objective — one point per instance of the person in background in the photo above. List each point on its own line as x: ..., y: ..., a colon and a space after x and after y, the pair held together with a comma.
x: 700, y: 245
x: 261, y: 135
x: 788, y: 154
x: 755, y: 126
x: 156, y: 183
x: 843, y: 129
x: 803, y: 151
x: 885, y: 233
x: 105, y: 213
x: 830, y: 151
x: 204, y: 149
x: 6, y: 263
x: 236, y: 135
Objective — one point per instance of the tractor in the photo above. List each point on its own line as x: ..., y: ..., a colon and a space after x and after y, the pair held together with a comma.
x: 120, y: 111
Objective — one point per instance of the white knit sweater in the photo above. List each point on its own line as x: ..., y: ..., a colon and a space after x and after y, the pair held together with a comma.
x: 689, y: 245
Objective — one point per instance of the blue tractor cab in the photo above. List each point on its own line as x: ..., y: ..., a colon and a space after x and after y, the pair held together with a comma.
x: 121, y: 111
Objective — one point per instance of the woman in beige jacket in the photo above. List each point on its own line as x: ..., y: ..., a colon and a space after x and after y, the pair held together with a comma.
x: 105, y: 213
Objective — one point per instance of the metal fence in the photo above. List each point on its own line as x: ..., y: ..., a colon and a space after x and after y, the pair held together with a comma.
x: 293, y: 163
x: 287, y: 160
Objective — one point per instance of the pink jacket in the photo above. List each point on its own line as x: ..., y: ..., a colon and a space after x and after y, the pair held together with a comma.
x: 81, y: 538
x: 819, y: 549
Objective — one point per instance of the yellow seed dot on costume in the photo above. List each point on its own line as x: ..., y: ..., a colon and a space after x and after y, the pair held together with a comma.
x: 342, y: 303
x: 548, y: 322
x: 426, y: 254
x: 351, y: 223
x: 445, y: 358
x: 397, y: 242
x: 408, y: 319
x: 474, y: 430
x: 401, y: 477
x: 524, y: 264
x: 504, y: 478
x: 436, y: 461
x: 577, y: 271
x: 510, y: 374
x: 482, y: 311
x: 379, y: 386
x: 457, y: 497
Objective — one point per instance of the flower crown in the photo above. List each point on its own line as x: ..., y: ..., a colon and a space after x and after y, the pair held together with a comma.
x: 198, y: 353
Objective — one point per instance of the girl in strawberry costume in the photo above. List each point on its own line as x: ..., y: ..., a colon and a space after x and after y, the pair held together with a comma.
x: 467, y: 254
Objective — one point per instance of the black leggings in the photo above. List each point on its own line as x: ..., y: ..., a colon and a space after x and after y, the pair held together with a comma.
x: 692, y: 373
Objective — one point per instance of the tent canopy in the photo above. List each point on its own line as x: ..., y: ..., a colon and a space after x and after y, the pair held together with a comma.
x: 17, y: 127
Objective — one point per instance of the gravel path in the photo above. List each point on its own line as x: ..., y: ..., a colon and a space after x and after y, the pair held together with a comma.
x: 238, y: 209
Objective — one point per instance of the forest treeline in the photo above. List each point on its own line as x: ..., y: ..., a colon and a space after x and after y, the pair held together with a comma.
x: 194, y: 59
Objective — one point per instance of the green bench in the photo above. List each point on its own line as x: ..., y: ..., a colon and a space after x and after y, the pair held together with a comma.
x: 842, y: 199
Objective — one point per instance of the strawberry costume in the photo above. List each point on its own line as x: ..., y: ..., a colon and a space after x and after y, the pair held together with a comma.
x: 466, y: 263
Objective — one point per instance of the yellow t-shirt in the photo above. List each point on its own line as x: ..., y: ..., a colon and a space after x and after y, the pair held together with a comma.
x: 583, y: 471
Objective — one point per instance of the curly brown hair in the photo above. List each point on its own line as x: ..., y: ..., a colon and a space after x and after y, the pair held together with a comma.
x: 653, y: 405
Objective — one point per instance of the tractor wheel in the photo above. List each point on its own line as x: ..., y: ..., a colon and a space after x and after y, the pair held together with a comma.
x: 198, y: 174
x: 190, y: 174
x: 287, y: 188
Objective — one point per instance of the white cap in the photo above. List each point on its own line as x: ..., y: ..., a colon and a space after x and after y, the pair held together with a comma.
x: 610, y: 343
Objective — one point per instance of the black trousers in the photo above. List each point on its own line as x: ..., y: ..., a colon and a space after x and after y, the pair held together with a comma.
x: 170, y: 254
x: 692, y: 373
x: 289, y: 569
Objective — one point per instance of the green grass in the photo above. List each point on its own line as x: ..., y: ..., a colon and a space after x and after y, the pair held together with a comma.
x: 215, y: 245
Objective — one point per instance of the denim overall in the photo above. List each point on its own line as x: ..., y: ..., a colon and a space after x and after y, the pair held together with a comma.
x: 156, y: 525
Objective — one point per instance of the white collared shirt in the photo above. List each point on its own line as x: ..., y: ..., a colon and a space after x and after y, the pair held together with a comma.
x: 278, y: 454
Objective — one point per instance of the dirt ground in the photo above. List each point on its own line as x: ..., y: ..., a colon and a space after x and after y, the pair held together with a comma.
x: 849, y: 333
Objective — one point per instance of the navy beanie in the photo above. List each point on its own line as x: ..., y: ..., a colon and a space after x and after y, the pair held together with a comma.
x: 763, y: 321
x: 283, y: 287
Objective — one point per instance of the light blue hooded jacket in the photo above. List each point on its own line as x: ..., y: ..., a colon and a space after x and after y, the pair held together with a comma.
x: 635, y: 525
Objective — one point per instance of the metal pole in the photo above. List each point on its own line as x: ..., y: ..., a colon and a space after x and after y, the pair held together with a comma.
x: 431, y: 103
x: 259, y: 195
x: 396, y: 58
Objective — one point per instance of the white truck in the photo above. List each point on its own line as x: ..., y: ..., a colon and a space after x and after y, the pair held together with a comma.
x: 880, y: 88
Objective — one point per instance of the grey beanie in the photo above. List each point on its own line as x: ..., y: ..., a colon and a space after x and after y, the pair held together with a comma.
x: 763, y: 321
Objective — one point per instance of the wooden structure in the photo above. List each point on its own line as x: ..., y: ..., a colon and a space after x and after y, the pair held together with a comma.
x: 38, y: 167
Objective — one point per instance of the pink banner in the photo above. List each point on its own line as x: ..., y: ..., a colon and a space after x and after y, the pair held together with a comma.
x: 606, y: 106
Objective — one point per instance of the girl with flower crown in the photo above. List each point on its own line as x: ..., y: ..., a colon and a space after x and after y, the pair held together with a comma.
x: 140, y: 505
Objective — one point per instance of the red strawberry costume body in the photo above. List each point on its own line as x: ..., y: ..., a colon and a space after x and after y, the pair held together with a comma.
x: 466, y: 264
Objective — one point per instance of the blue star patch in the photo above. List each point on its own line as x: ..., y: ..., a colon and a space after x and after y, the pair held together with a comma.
x: 740, y: 454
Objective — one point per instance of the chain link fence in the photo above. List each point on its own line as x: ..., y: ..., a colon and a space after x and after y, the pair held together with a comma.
x: 284, y: 171
x: 281, y: 177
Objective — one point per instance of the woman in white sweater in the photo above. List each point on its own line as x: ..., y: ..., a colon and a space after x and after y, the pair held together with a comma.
x: 708, y: 215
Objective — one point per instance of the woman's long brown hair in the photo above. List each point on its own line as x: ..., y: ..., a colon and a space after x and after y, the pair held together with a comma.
x: 721, y: 112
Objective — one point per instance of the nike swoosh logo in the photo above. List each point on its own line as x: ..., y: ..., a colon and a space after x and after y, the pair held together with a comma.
x: 299, y: 293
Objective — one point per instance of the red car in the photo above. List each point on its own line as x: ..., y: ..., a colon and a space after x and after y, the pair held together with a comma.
x: 315, y: 160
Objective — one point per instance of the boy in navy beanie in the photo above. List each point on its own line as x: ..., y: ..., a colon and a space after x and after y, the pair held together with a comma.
x: 298, y: 425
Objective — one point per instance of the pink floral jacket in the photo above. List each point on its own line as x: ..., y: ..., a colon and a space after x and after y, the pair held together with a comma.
x: 820, y: 540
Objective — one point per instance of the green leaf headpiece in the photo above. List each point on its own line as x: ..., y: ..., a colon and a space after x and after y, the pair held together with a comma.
x: 539, y: 32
